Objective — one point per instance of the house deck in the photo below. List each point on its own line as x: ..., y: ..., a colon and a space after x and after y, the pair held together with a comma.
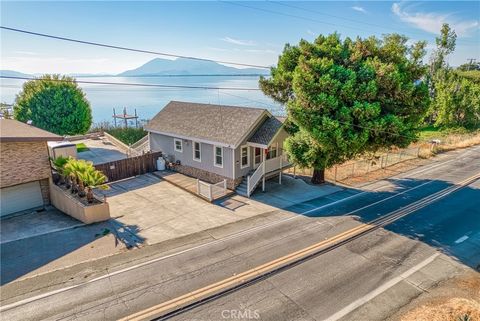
x: 186, y: 183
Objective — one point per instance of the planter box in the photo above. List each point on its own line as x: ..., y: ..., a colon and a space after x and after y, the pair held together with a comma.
x: 71, y: 206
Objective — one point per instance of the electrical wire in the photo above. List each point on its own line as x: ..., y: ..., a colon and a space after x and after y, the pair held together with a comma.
x: 98, y: 44
x: 137, y: 84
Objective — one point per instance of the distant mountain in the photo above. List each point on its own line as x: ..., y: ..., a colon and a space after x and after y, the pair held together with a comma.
x: 12, y: 73
x: 186, y: 67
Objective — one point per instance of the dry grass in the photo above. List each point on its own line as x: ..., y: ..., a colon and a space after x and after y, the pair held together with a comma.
x: 454, y: 300
x: 451, y: 142
x: 451, y: 310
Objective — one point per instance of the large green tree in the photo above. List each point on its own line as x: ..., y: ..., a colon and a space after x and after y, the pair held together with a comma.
x: 345, y: 98
x: 54, y: 103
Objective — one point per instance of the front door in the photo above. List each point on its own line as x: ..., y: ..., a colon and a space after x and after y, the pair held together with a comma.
x: 257, y: 157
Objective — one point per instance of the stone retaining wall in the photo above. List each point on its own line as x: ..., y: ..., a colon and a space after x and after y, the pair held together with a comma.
x: 206, y: 176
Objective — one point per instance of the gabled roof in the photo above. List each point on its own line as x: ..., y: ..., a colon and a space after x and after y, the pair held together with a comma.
x: 265, y: 133
x: 15, y: 131
x: 227, y: 125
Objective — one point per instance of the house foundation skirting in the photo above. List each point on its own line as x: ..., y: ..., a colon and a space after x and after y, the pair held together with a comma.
x: 207, y: 176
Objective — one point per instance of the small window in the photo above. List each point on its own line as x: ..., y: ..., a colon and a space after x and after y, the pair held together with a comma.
x: 272, y: 152
x: 245, y: 156
x: 218, y: 156
x: 178, y: 145
x: 197, y: 154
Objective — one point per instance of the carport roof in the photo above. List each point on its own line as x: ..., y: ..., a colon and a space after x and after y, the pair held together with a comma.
x: 15, y: 131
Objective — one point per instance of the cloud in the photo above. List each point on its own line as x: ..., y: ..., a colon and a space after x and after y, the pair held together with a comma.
x: 310, y: 32
x: 359, y: 9
x: 27, y: 53
x: 432, y: 22
x: 238, y: 41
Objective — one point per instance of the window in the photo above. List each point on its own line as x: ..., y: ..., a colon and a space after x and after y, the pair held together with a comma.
x: 272, y: 152
x: 197, y: 155
x: 178, y: 145
x: 245, y: 156
x: 218, y: 156
x: 258, y: 155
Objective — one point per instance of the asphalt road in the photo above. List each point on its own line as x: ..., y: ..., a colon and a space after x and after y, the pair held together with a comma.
x: 366, y: 278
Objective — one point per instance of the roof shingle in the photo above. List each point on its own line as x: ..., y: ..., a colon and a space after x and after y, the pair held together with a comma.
x: 215, y: 123
x: 15, y: 131
x: 266, y: 131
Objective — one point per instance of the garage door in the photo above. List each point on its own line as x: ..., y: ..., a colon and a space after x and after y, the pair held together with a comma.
x: 20, y: 197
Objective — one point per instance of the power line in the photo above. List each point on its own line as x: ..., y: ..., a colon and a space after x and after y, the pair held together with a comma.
x: 309, y: 19
x: 98, y: 44
x: 138, y: 84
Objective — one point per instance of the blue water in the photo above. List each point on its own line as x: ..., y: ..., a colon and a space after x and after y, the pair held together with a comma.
x: 150, y: 100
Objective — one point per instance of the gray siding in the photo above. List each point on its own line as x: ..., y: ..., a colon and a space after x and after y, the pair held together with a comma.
x: 239, y: 172
x: 165, y: 144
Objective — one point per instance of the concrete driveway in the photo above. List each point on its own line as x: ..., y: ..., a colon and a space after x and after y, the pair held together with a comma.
x: 162, y: 211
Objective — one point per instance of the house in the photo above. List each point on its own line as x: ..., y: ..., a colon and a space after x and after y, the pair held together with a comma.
x: 25, y: 167
x: 216, y: 142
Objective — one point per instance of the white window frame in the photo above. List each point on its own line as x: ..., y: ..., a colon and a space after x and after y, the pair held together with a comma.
x: 175, y: 140
x: 199, y: 151
x: 241, y: 156
x: 215, y: 156
x: 270, y: 151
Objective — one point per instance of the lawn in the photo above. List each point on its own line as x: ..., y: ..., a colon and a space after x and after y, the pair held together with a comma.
x: 81, y: 147
x: 129, y: 135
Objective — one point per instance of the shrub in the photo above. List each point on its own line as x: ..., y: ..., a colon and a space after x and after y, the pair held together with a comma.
x: 128, y: 135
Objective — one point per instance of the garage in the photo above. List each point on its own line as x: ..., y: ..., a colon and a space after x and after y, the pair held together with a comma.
x: 20, y: 197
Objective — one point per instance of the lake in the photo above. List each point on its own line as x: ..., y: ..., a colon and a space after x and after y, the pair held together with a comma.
x: 150, y: 100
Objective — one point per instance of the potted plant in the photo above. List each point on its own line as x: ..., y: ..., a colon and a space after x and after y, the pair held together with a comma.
x: 94, y: 179
x: 58, y: 165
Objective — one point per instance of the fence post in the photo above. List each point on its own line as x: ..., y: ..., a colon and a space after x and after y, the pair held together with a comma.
x: 248, y: 186
x: 224, y: 185
x: 210, y: 192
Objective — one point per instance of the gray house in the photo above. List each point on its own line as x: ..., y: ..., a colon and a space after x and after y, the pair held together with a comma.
x: 215, y: 142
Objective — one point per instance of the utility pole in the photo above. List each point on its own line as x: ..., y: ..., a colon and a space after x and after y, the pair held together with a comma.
x: 471, y: 62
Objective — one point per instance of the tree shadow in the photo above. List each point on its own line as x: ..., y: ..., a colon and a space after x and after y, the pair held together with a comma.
x: 450, y: 224
x: 127, y: 185
x: 65, y: 248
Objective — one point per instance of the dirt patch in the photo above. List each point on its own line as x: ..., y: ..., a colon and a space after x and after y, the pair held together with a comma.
x: 457, y: 299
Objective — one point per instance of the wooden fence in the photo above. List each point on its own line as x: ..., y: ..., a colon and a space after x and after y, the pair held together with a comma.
x: 129, y: 167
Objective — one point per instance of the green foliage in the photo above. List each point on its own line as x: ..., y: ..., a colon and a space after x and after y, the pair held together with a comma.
x: 471, y: 66
x: 81, y: 172
x: 473, y: 75
x: 128, y: 135
x: 54, y: 103
x: 81, y: 147
x: 445, y: 46
x: 457, y: 101
x: 346, y: 98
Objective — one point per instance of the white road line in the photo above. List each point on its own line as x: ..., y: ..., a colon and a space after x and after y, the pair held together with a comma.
x: 371, y: 295
x: 232, y: 236
x: 462, y: 239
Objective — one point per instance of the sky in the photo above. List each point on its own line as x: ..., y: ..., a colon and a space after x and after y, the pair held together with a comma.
x: 247, y: 32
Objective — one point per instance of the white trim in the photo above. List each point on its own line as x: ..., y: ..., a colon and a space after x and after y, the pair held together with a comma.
x: 190, y: 138
x: 215, y: 156
x: 175, y: 140
x: 254, y: 126
x: 241, y: 156
x: 199, y: 150
x: 257, y: 145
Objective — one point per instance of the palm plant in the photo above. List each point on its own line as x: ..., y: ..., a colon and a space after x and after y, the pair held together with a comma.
x: 94, y: 179
x: 79, y: 170
x: 58, y: 164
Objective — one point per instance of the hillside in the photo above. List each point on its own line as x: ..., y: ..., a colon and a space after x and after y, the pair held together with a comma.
x: 185, y: 67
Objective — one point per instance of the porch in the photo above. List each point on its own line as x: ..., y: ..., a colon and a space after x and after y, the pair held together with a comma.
x: 267, y: 162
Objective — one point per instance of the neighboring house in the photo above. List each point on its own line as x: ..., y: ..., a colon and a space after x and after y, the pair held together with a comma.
x: 25, y: 166
x: 215, y: 142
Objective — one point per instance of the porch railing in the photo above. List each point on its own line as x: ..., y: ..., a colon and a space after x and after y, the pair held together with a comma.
x: 211, y: 191
x: 267, y: 166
